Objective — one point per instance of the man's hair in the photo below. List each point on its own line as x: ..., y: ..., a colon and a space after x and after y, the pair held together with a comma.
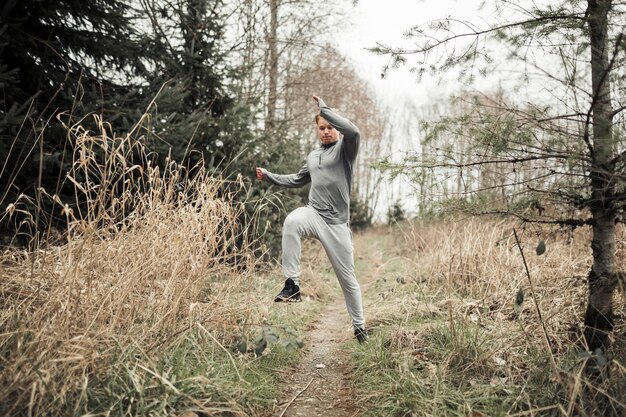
x: 318, y: 115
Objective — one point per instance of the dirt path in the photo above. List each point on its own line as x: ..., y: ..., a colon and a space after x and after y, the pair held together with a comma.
x: 321, y: 385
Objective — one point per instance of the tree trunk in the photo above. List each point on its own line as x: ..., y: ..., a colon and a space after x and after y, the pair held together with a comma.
x: 602, y: 277
x: 272, y: 40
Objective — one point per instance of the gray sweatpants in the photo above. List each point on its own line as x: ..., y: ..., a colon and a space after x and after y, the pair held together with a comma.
x: 337, y: 242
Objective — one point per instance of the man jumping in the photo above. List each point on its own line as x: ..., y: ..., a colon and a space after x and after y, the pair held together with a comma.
x: 326, y: 216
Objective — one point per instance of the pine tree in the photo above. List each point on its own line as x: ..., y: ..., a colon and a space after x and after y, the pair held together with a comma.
x: 57, y: 59
x: 574, y: 143
x: 198, y: 117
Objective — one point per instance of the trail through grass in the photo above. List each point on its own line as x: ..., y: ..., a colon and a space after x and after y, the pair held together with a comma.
x: 322, y: 382
x: 153, y: 303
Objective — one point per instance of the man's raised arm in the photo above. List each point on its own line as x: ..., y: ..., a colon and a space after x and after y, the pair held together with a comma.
x: 350, y: 132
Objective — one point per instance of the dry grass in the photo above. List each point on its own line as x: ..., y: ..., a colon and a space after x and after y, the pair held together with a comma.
x: 459, y: 342
x: 475, y: 269
x: 151, y: 259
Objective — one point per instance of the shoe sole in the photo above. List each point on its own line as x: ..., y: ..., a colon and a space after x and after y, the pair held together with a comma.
x: 287, y: 300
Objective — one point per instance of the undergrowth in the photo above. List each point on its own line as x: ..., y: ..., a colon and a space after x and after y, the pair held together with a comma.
x: 456, y: 331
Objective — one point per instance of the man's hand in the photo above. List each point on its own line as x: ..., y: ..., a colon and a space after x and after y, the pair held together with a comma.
x: 259, y: 173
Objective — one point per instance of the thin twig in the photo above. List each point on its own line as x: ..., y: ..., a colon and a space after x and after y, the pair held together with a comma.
x: 294, y: 398
x: 532, y: 289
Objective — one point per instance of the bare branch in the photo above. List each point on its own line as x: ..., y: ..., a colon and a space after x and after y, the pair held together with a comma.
x: 476, y: 33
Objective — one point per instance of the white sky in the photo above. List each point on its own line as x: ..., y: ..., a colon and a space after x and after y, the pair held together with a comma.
x: 386, y: 22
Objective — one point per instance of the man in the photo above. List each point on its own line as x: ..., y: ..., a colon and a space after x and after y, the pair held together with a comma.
x: 326, y: 216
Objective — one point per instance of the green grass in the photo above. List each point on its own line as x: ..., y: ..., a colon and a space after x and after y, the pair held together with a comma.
x: 192, y: 374
x: 429, y: 381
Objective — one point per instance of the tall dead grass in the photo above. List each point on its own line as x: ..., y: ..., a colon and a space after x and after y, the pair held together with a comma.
x: 480, y: 260
x: 471, y: 319
x: 149, y: 254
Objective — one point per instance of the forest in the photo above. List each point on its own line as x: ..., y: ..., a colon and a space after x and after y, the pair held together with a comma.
x: 140, y: 255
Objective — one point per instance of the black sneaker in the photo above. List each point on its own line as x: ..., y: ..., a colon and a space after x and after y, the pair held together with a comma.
x: 361, y: 335
x: 289, y: 294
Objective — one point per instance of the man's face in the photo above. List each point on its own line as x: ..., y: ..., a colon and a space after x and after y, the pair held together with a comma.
x: 326, y: 132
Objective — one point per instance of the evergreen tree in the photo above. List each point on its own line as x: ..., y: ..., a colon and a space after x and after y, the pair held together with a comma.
x: 66, y: 59
x: 197, y: 116
x: 574, y: 143
x: 57, y: 59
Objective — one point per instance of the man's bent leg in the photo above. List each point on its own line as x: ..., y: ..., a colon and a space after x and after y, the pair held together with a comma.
x: 302, y: 222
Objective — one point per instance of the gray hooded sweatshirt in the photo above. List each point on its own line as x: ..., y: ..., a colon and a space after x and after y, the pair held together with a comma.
x: 328, y: 169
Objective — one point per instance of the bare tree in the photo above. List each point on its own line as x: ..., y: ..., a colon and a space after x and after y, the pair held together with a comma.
x: 273, y: 38
x: 272, y: 42
x: 286, y: 59
x: 337, y: 81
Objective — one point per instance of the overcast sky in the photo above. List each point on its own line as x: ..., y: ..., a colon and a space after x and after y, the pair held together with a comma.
x: 378, y: 21
x: 386, y: 22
